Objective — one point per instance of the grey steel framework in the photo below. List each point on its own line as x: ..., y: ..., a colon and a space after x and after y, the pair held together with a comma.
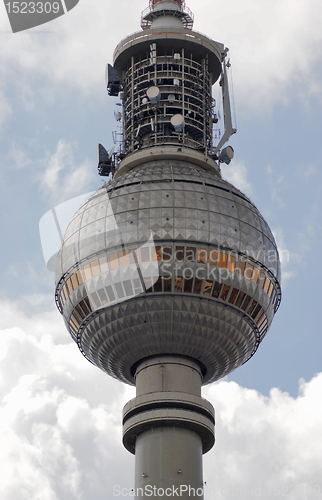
x: 168, y: 276
x: 183, y: 66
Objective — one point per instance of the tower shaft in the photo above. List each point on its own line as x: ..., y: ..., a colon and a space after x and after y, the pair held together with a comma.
x: 168, y: 426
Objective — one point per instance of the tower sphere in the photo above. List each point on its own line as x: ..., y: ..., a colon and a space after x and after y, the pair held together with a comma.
x: 168, y: 258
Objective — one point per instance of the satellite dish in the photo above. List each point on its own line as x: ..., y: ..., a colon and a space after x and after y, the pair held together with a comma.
x: 177, y: 121
x: 111, y: 152
x: 171, y: 97
x: 226, y: 155
x: 154, y: 95
x: 145, y: 100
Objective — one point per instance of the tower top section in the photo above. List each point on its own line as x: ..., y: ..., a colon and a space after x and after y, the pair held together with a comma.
x: 163, y: 76
x: 166, y: 13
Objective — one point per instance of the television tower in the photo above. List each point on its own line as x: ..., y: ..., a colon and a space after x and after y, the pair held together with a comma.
x: 168, y: 276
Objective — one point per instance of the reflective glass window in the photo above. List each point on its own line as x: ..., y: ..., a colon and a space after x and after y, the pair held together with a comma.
x: 86, y: 299
x: 87, y: 272
x: 110, y: 293
x: 179, y: 253
x: 157, y: 254
x: 178, y: 285
x: 74, y: 281
x: 157, y: 287
x: 202, y: 255
x: 167, y: 284
x: 213, y: 257
x: 255, y: 275
x: 62, y: 298
x: 80, y: 311
x: 128, y: 288
x: 270, y: 290
x: 133, y: 258
x: 262, y: 279
x: 188, y: 285
x: 232, y: 263
x: 224, y: 292
x: 119, y: 290
x: 261, y: 321
x: 167, y: 253
x: 79, y: 277
x: 248, y: 273
x: 95, y: 299
x: 103, y: 264
x: 65, y: 292
x: 74, y: 320
x: 102, y: 296
x: 252, y: 307
x: 69, y: 285
x: 197, y: 285
x: 95, y: 268
x: 259, y: 316
x: 84, y: 307
x: 191, y: 254
x: 263, y: 325
x: 77, y: 316
x: 137, y: 286
x: 208, y: 287
x: 233, y: 295
x: 123, y: 258
x: 73, y: 326
x: 145, y: 254
x: 240, y: 299
x: 223, y: 258
x: 256, y: 311
x: 267, y: 284
x: 241, y: 267
x: 148, y: 284
x: 216, y: 290
x: 113, y: 261
x: 246, y: 302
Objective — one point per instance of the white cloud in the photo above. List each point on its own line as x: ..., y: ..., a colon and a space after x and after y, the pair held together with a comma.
x: 60, y: 421
x: 18, y: 157
x: 60, y: 417
x: 268, y: 443
x: 286, y: 257
x: 275, y: 46
x: 5, y: 107
x: 278, y: 186
x: 236, y: 174
x: 62, y: 177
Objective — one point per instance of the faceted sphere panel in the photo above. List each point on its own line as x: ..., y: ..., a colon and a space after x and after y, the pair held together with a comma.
x: 187, y: 246
x: 117, y: 337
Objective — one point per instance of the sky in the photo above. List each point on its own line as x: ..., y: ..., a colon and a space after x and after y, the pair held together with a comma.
x: 60, y: 417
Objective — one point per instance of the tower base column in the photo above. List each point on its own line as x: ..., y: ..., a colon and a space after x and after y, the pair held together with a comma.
x: 168, y: 427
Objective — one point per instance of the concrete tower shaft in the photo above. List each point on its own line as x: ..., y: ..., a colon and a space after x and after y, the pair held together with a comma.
x: 168, y: 425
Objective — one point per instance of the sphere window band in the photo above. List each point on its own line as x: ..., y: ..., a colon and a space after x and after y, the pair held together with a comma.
x: 191, y: 254
x: 192, y: 284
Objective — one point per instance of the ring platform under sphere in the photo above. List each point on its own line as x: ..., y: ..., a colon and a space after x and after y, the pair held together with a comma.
x: 168, y: 259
